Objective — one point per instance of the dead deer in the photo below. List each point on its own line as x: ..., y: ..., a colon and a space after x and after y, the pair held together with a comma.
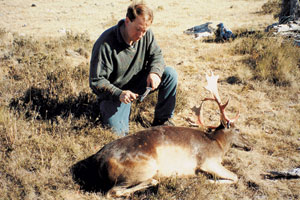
x: 136, y: 161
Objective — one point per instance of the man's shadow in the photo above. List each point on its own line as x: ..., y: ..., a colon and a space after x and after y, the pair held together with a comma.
x: 42, y: 105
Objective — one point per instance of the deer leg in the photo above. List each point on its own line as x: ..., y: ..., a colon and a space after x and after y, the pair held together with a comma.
x: 118, y: 191
x: 220, y: 171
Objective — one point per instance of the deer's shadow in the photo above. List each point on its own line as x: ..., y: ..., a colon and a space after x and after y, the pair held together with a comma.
x: 85, y: 174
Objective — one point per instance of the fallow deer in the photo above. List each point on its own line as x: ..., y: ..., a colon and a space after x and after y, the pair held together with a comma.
x: 136, y: 161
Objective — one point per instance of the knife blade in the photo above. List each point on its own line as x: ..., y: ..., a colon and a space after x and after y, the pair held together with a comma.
x: 142, y: 97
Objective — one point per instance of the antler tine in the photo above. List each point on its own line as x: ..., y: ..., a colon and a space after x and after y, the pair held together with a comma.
x: 212, y: 85
x: 222, y: 110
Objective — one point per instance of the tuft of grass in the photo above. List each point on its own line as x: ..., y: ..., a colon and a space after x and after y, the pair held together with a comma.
x: 275, y: 59
x: 271, y: 7
x: 175, y: 187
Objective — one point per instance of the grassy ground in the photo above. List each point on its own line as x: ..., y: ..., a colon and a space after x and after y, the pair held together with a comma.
x: 49, y: 117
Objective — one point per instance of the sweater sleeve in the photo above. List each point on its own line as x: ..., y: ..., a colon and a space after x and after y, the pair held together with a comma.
x: 156, y: 61
x: 100, y: 70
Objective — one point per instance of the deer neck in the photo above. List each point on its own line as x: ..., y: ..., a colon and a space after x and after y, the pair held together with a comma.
x: 223, y: 138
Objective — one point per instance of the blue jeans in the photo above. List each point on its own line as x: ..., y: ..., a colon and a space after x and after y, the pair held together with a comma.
x: 115, y: 114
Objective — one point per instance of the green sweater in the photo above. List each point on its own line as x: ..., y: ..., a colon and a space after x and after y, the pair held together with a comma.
x: 114, y: 62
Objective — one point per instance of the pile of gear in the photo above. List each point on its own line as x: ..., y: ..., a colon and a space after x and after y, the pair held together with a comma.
x: 221, y: 33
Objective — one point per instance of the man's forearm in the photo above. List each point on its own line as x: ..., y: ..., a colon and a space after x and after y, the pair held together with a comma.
x: 103, y: 86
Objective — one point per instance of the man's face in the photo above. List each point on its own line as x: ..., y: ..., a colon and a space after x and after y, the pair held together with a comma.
x: 137, y: 28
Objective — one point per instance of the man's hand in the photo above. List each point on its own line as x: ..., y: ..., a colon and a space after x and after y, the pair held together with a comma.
x: 127, y: 96
x: 153, y: 80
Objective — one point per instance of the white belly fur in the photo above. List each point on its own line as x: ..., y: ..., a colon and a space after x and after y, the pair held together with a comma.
x: 174, y: 160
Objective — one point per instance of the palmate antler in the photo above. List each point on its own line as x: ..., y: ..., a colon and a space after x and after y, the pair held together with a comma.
x: 212, y: 87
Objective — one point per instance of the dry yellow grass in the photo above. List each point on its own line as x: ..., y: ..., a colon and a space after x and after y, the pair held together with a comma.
x: 48, y: 115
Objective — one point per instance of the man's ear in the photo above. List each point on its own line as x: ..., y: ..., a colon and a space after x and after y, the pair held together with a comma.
x: 127, y: 20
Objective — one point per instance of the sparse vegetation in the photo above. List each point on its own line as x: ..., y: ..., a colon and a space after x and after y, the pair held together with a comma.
x: 272, y: 7
x: 270, y: 58
x: 49, y: 117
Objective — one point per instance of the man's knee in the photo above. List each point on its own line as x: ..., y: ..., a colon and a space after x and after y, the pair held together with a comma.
x: 170, y: 74
x: 115, y: 115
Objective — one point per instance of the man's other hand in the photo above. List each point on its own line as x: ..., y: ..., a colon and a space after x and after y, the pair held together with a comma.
x: 153, y: 80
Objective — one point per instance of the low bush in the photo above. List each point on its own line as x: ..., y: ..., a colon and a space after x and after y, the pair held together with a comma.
x: 272, y: 7
x: 275, y: 59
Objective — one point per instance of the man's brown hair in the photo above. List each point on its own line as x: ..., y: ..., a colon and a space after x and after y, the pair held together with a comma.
x: 139, y: 9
